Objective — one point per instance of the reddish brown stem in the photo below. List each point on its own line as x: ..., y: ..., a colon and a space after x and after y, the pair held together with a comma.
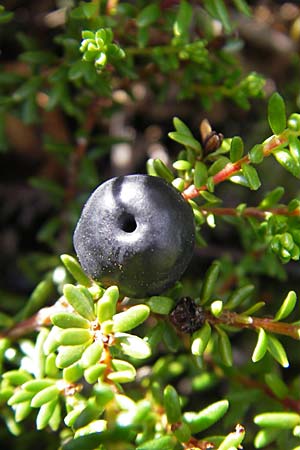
x: 239, y: 321
x: 287, y: 402
x: 232, y: 168
x: 250, y: 212
x: 33, y: 323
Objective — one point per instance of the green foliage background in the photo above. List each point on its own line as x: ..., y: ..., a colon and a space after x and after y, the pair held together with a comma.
x: 188, y: 91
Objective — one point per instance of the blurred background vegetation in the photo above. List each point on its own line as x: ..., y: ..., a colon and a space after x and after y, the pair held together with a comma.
x: 44, y: 177
x: 64, y: 128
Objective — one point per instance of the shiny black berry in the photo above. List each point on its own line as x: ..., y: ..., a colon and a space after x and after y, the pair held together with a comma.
x: 136, y: 232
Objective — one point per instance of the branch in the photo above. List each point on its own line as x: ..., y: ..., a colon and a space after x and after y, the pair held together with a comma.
x: 35, y: 322
x: 232, y: 168
x: 239, y: 321
x: 251, y: 212
x: 287, y: 402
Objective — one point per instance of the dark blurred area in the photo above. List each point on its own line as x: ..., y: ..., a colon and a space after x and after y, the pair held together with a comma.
x: 271, y: 47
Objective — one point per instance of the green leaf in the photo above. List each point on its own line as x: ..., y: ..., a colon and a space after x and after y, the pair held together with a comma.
x: 150, y: 168
x: 37, y: 57
x: 183, y: 19
x: 68, y: 355
x: 37, y: 299
x: 236, y: 149
x: 89, y: 9
x: 89, y: 413
x: 181, y: 127
x: 22, y: 410
x: 272, y: 198
x: 286, y: 160
x: 209, y: 197
x: 130, y: 318
x: 294, y: 122
x: 75, y: 270
x: 200, y: 340
x: 182, y: 432
x: 162, y: 170
x: 276, y: 113
x: 256, y: 154
x: 209, y: 282
x: 218, y: 165
x: 294, y: 145
x: 243, y: 7
x: 40, y: 357
x: 143, y: 37
x: 182, y: 164
x: 20, y: 397
x: 45, y: 413
x: 172, y: 404
x: 251, y: 176
x: 95, y: 426
x: 104, y: 394
x: 287, y: 306
x: 87, y: 442
x: 73, y: 373
x: 218, y: 10
x: 37, y: 385
x: 132, y: 345
x: 265, y: 437
x: 276, y: 385
x: 282, y: 420
x: 160, y: 304
x: 106, y: 306
x: 16, y: 377
x: 206, y: 417
x: 74, y: 336
x: 124, y: 372
x: 69, y: 320
x: 93, y: 373
x: 170, y: 338
x: 233, y: 440
x: 216, y: 308
x: 82, y: 303
x: 200, y: 174
x: 51, y: 343
x: 239, y: 296
x: 225, y: 349
x: 148, y: 15
x: 46, y: 395
x: 92, y: 354
x: 261, y: 346
x: 277, y: 351
x: 178, y: 183
x: 164, y: 442
x: 185, y: 139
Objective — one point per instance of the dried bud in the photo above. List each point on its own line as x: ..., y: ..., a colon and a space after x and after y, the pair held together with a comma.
x: 187, y: 316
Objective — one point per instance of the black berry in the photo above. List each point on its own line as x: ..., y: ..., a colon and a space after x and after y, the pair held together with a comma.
x: 136, y: 232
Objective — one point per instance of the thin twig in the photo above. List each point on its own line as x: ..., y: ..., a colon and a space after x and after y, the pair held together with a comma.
x: 250, y: 212
x: 232, y: 168
x: 239, y: 321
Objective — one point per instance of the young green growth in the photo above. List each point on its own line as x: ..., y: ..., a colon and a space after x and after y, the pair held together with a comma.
x: 80, y: 300
x: 276, y: 113
x: 261, y: 346
x: 172, y: 404
x: 131, y: 318
x: 206, y: 417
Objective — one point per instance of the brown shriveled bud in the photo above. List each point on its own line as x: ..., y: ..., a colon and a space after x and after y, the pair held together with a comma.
x: 211, y: 140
